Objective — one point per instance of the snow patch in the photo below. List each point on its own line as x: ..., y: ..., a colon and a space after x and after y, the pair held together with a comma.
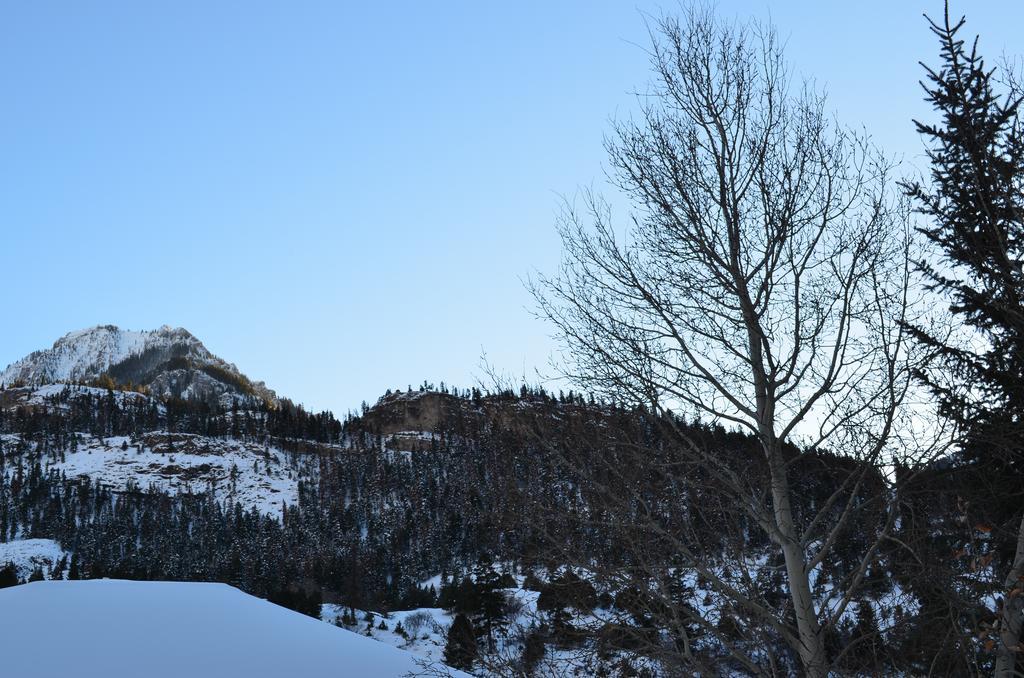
x: 252, y: 475
x: 28, y: 554
x: 124, y: 629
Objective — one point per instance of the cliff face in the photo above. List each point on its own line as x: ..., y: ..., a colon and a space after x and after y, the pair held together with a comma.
x: 415, y: 411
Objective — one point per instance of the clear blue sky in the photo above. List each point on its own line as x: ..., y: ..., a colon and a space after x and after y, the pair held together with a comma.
x: 342, y: 197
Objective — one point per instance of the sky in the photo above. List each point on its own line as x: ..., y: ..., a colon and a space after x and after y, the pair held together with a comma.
x: 345, y: 197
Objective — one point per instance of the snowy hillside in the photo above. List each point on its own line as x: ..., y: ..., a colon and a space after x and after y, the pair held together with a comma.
x: 29, y: 554
x: 254, y: 473
x: 57, y: 396
x: 124, y: 629
x: 168, y: 361
x: 234, y: 471
x: 424, y: 631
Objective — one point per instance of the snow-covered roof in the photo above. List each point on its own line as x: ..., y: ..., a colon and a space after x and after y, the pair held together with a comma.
x: 124, y: 629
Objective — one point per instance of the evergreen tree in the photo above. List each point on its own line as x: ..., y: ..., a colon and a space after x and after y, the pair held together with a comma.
x: 533, y: 651
x: 58, y: 568
x: 975, y: 202
x: 8, y: 576
x: 461, y: 651
x: 869, y: 644
x: 490, y: 601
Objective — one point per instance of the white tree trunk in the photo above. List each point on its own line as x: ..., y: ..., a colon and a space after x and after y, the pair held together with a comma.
x: 812, y: 642
x: 1013, y: 613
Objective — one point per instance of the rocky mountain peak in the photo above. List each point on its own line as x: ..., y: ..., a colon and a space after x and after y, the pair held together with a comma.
x: 168, y: 362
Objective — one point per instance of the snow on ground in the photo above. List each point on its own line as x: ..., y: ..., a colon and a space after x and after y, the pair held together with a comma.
x: 401, y: 445
x: 253, y: 475
x: 427, y: 629
x: 46, y: 395
x: 28, y: 554
x: 124, y: 629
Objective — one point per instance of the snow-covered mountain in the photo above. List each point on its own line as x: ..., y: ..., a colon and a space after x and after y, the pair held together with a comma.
x: 168, y: 361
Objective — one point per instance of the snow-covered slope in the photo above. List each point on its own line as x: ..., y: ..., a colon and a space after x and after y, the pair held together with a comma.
x: 124, y: 629
x: 86, y: 354
x: 252, y: 475
x: 169, y: 361
x: 256, y: 474
x: 55, y: 397
x: 28, y: 554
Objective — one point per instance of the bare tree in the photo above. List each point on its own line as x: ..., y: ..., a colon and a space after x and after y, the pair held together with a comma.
x: 763, y: 282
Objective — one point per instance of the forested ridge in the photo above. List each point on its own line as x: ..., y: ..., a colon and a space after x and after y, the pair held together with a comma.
x: 380, y: 510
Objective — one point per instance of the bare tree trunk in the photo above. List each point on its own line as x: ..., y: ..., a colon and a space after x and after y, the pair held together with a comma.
x: 812, y: 645
x: 1012, y: 614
